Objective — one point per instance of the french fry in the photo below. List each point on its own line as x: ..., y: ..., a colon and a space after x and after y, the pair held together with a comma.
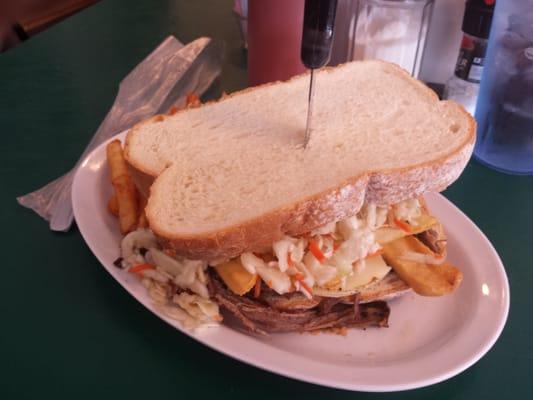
x: 124, y: 188
x: 424, y: 279
x: 423, y: 204
x: 112, y: 205
x: 115, y: 159
x: 192, y: 100
x: 238, y: 279
x: 142, y: 222
x: 127, y: 204
x: 421, y: 224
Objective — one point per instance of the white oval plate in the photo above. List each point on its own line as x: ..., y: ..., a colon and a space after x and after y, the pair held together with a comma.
x: 428, y: 339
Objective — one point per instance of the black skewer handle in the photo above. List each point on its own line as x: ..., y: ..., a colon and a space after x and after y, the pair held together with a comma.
x: 318, y: 28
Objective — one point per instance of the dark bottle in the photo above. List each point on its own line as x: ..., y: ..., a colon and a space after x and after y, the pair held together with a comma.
x: 463, y: 86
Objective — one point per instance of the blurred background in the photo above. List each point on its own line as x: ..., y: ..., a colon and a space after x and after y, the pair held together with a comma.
x: 22, y: 19
x: 444, y: 43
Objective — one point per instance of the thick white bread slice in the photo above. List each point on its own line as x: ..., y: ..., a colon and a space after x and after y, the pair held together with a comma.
x: 233, y: 176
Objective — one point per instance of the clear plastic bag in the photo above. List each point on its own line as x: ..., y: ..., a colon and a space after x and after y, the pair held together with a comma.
x: 161, y: 80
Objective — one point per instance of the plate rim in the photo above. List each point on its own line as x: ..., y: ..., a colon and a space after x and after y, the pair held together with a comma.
x: 270, y: 366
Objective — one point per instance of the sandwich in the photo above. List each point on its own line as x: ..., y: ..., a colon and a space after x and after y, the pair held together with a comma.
x: 245, y: 224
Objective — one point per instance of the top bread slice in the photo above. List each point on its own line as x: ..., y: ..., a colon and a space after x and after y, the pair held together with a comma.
x: 232, y: 176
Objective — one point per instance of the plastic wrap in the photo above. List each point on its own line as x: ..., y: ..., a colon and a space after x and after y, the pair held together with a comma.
x: 161, y: 80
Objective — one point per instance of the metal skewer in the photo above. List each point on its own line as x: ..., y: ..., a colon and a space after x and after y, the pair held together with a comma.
x: 317, y: 39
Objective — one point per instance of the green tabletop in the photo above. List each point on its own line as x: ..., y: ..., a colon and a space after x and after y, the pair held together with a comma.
x: 69, y: 330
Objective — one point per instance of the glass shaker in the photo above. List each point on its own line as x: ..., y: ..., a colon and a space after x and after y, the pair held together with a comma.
x: 505, y: 104
x: 390, y: 30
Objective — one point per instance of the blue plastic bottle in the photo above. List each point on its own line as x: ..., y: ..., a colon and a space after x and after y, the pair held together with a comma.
x: 504, y: 110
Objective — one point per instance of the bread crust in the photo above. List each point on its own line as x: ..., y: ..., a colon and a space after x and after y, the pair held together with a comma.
x: 339, y: 202
x: 258, y: 234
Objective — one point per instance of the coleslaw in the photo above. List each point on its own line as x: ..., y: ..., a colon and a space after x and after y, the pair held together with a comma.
x: 331, y: 255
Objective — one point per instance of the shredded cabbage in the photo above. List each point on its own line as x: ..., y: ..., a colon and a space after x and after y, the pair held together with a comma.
x: 132, y: 243
x: 187, y: 274
x: 343, y: 245
x: 197, y: 307
x: 282, y: 248
x: 408, y: 210
x: 270, y: 273
x: 191, y: 309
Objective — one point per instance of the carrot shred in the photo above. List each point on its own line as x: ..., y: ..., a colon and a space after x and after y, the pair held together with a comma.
x: 306, y: 287
x: 257, y: 287
x: 269, y: 283
x: 173, y: 110
x: 336, y: 246
x: 289, y: 260
x: 315, y: 250
x: 300, y: 278
x: 140, y: 267
x: 192, y: 100
x: 404, y: 226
